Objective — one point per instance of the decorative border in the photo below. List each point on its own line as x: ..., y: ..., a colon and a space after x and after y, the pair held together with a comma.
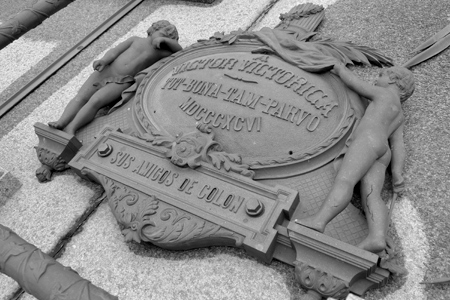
x: 145, y: 218
x: 319, y: 281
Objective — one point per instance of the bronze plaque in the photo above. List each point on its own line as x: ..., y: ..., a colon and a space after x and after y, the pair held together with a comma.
x: 282, y: 120
x: 181, y: 167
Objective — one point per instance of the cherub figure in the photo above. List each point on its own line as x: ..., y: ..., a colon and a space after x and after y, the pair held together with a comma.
x: 369, y: 153
x: 115, y: 72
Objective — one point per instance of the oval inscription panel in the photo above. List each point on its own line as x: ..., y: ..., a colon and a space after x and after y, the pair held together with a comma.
x: 270, y: 112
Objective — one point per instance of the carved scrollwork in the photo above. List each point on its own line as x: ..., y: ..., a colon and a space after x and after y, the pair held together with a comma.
x: 50, y: 159
x: 320, y: 281
x: 182, y: 227
x: 193, y: 148
x: 50, y: 162
x: 144, y: 218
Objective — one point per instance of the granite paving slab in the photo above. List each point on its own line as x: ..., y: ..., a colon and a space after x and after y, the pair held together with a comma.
x: 134, y: 271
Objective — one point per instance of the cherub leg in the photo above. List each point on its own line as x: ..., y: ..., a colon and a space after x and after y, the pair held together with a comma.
x: 374, y: 206
x: 103, y: 97
x: 74, y: 106
x: 357, y: 161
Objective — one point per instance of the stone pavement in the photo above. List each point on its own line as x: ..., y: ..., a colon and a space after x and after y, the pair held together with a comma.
x: 67, y: 217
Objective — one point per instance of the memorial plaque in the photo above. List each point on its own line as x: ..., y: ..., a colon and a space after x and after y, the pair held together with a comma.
x: 230, y: 140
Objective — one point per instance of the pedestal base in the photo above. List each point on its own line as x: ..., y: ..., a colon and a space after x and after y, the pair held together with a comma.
x: 56, y: 148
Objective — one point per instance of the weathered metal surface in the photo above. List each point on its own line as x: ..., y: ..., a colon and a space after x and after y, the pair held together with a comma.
x: 249, y: 99
x: 228, y: 142
x: 40, y: 275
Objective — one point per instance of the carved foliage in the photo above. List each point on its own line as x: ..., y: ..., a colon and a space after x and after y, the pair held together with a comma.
x: 295, y: 15
x: 50, y: 162
x: 144, y: 218
x: 320, y: 281
x: 51, y: 159
x: 193, y: 148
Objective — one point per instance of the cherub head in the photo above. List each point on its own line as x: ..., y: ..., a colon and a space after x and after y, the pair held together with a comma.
x: 165, y: 28
x: 404, y: 79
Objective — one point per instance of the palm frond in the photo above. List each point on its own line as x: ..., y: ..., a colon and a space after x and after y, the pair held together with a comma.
x: 349, y: 53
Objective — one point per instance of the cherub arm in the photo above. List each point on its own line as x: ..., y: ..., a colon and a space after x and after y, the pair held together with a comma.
x: 358, y: 85
x: 112, y: 54
x: 398, y: 159
x: 167, y: 44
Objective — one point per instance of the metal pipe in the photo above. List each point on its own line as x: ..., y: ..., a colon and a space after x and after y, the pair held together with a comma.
x: 40, y: 275
x: 29, y: 18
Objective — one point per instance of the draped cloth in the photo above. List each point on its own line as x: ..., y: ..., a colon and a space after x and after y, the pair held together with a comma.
x: 130, y: 92
x: 305, y: 55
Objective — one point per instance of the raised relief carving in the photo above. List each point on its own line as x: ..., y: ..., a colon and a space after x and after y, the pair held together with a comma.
x: 145, y: 218
x: 50, y: 162
x: 320, y: 282
x: 219, y: 120
x: 196, y: 147
x: 41, y: 275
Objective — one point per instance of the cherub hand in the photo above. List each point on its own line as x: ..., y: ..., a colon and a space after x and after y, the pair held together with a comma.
x: 158, y: 41
x: 99, y: 65
x: 337, y: 68
x: 399, y: 186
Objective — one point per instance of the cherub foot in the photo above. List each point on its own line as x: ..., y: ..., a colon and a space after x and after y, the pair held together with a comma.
x: 69, y: 131
x: 373, y: 245
x: 312, y: 223
x: 55, y: 125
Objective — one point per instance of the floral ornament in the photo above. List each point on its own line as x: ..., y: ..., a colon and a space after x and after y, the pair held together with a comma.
x: 137, y: 218
x: 133, y: 211
x: 134, y: 222
x: 196, y: 147
x: 232, y: 36
x: 191, y: 149
x: 50, y: 162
